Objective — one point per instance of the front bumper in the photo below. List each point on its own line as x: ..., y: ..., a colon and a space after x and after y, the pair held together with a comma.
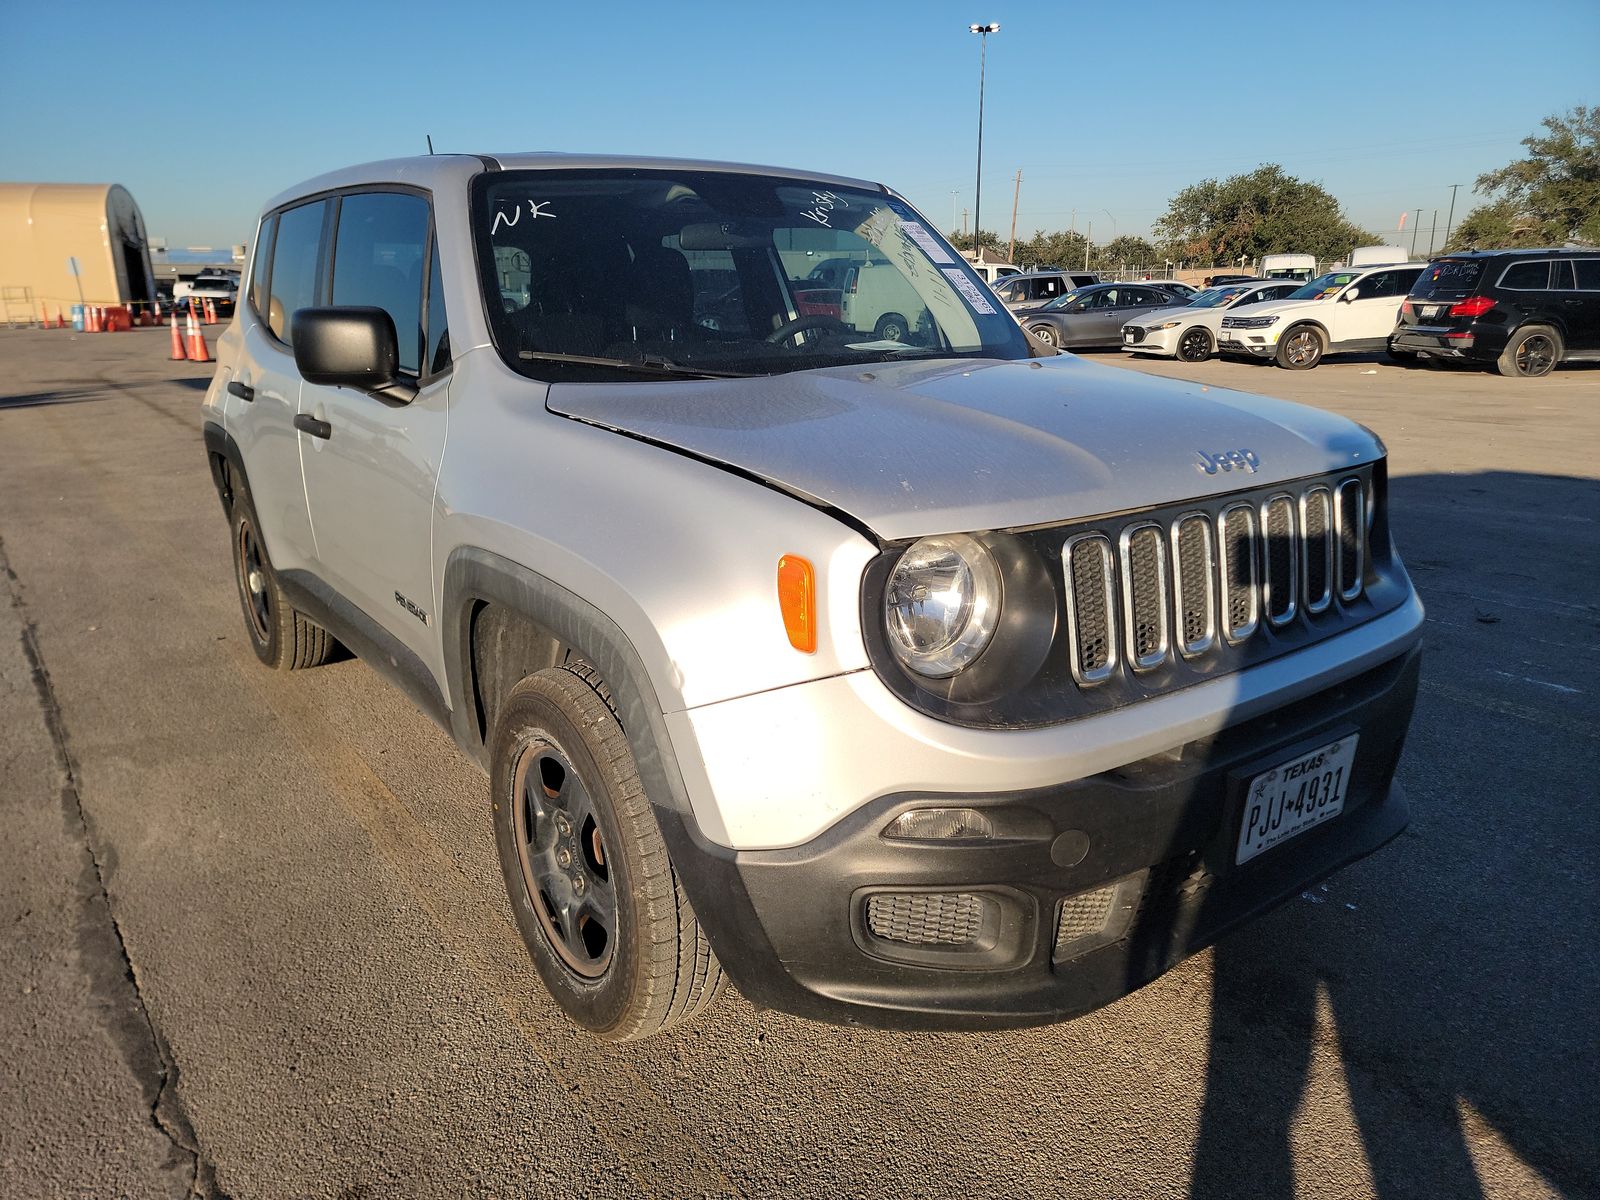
x: 1155, y: 341
x: 1256, y: 343
x: 790, y: 925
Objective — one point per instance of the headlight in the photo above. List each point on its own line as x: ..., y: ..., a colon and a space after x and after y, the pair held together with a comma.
x: 1265, y: 321
x: 1164, y: 325
x: 942, y: 604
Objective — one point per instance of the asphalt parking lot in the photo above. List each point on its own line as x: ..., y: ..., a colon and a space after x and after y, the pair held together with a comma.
x: 255, y: 942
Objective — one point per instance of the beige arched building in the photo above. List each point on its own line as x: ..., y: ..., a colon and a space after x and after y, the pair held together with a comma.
x: 42, y: 225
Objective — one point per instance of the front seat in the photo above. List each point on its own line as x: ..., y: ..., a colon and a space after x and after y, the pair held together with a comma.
x: 659, y: 303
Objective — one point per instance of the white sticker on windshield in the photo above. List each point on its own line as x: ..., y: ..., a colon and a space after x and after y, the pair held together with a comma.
x: 925, y: 240
x: 969, y: 290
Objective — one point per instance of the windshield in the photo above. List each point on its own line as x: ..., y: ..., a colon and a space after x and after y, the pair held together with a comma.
x: 719, y: 272
x: 1063, y: 300
x: 1322, y: 285
x: 1448, y: 279
x: 1215, y: 297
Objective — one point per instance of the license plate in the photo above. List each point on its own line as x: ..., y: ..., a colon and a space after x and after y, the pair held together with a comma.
x: 1295, y: 796
x: 1127, y: 335
x: 1432, y: 310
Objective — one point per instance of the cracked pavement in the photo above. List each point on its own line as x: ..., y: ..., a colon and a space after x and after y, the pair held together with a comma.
x: 327, y: 996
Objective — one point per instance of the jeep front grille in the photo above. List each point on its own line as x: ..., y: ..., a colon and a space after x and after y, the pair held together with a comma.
x: 1138, y: 596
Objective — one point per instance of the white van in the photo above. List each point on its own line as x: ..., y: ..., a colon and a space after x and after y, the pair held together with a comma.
x: 1377, y: 256
x: 876, y: 299
x: 1287, y: 266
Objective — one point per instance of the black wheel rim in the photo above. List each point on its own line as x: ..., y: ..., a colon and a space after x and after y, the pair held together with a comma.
x: 1536, y: 355
x: 253, y: 582
x: 565, y: 866
x: 1194, y: 345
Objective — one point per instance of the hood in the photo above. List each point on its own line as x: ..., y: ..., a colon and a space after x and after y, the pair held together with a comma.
x: 1264, y: 307
x: 1165, y: 314
x: 958, y: 445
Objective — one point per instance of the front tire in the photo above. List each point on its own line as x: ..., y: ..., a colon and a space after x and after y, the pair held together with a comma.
x: 281, y: 636
x: 1301, y: 348
x: 1194, y: 345
x: 1531, y: 353
x: 1047, y: 335
x: 594, y: 893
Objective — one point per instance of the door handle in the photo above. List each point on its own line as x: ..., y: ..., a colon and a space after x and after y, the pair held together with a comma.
x: 316, y: 428
x: 241, y: 390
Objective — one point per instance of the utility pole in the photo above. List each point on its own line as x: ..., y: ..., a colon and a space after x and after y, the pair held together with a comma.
x: 964, y: 222
x: 955, y: 209
x: 1432, y: 229
x: 1450, y: 220
x: 1011, y: 252
x: 1414, y: 225
x: 1088, y: 240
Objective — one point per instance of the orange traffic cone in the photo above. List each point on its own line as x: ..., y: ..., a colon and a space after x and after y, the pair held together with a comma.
x: 197, y: 342
x: 211, y: 313
x: 177, y: 354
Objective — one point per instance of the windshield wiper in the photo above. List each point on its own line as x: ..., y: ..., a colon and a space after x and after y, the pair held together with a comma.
x: 649, y: 364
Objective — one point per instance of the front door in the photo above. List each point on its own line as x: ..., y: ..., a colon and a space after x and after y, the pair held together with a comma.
x: 1367, y: 321
x: 370, y: 465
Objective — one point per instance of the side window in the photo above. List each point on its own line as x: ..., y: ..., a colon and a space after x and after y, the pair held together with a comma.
x: 1384, y: 283
x: 1588, y: 274
x: 1527, y: 276
x: 258, y: 265
x: 296, y: 252
x: 377, y: 261
x: 437, y: 357
x: 1561, y: 276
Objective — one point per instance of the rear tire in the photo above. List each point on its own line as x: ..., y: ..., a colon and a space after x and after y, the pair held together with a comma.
x: 282, y: 637
x: 891, y: 327
x: 1194, y: 345
x: 621, y: 951
x: 1532, y: 352
x: 1301, y: 348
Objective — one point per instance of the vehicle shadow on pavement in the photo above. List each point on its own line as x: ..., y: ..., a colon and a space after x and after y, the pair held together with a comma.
x: 60, y: 396
x: 1450, y: 978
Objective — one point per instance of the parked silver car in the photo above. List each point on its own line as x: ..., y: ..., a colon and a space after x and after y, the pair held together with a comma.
x: 931, y: 685
x: 1092, y: 318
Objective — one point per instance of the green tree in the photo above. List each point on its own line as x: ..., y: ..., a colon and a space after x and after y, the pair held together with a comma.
x: 1265, y: 212
x: 963, y: 241
x: 1125, y: 251
x: 1063, y: 248
x: 1549, y: 197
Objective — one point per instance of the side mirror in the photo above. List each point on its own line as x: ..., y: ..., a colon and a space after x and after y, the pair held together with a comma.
x: 1351, y: 294
x: 350, y: 346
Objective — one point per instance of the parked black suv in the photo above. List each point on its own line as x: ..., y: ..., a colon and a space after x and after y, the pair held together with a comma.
x: 1523, y: 310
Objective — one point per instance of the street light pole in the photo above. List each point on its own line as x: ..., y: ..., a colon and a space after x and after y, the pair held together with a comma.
x: 983, y: 32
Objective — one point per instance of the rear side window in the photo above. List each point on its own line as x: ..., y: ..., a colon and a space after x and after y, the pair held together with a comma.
x: 1588, y: 274
x: 1527, y: 276
x: 296, y: 252
x: 258, y: 265
x: 377, y: 262
x: 1449, y: 279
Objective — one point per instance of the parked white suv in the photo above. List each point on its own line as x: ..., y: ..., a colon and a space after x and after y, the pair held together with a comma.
x: 1348, y: 310
x: 960, y: 684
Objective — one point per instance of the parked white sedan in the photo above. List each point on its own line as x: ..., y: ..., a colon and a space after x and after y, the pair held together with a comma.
x: 1189, y: 333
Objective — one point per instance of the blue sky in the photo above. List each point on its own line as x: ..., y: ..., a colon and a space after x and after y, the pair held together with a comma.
x: 1107, y: 108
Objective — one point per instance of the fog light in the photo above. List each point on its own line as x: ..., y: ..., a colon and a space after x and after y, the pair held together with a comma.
x: 940, y: 825
x: 927, y: 918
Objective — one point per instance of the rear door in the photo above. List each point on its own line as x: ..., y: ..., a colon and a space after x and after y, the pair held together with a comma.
x: 370, y: 480
x: 1583, y: 330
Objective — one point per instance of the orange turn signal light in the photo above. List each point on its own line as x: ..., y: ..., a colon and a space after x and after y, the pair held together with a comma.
x: 797, y: 597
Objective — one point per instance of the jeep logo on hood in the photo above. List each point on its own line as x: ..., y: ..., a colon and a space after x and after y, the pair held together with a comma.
x: 1226, y: 460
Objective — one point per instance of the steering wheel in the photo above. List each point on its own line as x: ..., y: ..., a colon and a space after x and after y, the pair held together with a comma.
x: 800, y: 324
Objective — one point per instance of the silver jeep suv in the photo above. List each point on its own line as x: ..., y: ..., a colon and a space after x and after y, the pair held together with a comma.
x: 916, y: 683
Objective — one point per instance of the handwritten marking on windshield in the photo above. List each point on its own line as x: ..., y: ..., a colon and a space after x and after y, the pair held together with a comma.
x: 826, y: 202
x: 536, y: 209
